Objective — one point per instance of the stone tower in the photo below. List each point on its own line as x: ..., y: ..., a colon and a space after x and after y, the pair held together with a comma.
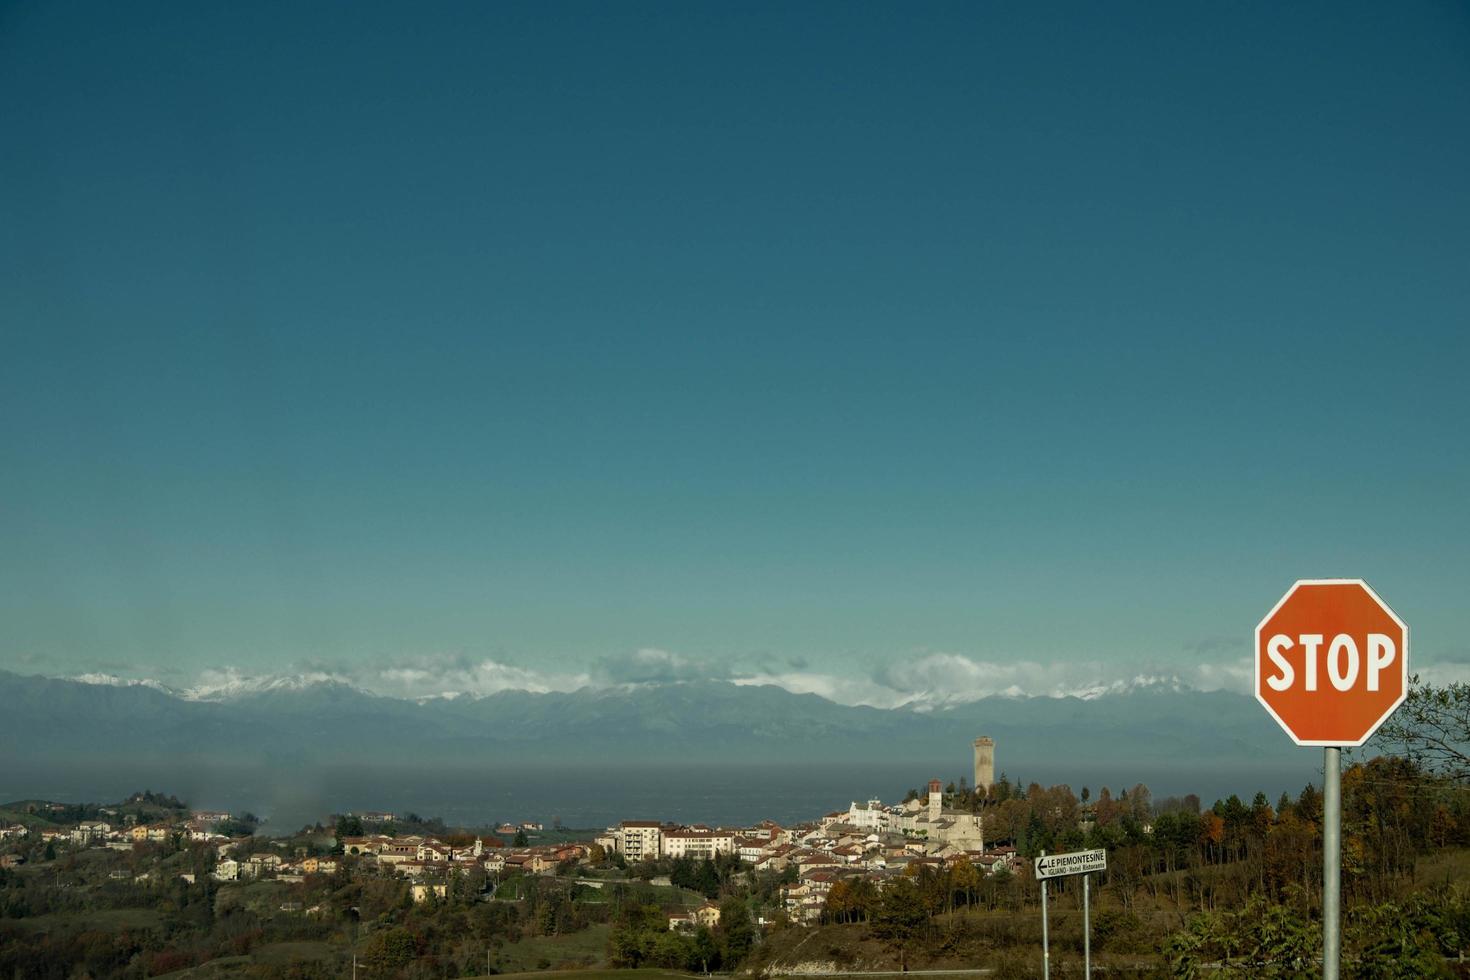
x: 936, y: 800
x: 984, y: 763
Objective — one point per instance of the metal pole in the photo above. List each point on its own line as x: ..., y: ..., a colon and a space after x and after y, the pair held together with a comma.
x: 1331, y: 862
x: 1045, y: 946
x: 1086, y: 934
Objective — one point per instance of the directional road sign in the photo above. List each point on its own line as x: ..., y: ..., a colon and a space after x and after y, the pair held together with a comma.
x: 1076, y: 863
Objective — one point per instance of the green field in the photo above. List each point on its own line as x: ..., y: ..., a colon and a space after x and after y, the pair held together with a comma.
x: 277, y: 954
x: 102, y: 920
x: 592, y: 975
x: 587, y: 947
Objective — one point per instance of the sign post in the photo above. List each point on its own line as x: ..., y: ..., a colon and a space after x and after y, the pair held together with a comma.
x: 1332, y: 663
x: 1055, y: 866
x: 1045, y: 945
x: 1086, y: 933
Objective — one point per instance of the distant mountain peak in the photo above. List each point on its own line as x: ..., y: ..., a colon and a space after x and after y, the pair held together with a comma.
x: 112, y: 680
x: 231, y: 685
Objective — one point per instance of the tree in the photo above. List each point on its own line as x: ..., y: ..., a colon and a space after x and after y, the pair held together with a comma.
x: 1432, y: 728
x: 520, y: 838
x: 739, y: 934
x: 704, y: 953
x: 900, y: 916
x: 386, y: 952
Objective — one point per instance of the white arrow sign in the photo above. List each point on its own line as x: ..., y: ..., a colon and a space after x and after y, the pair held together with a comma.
x: 1076, y: 863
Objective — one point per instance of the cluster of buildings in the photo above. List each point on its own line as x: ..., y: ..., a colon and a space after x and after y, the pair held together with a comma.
x: 235, y: 866
x: 869, y: 840
x: 424, y: 858
x: 122, y: 836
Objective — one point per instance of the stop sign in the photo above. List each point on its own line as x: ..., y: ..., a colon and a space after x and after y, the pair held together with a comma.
x: 1332, y: 662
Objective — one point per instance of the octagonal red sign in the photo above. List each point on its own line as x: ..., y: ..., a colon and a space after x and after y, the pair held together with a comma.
x: 1332, y: 662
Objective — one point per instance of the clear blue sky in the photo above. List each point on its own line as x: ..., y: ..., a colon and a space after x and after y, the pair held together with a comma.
x: 815, y: 333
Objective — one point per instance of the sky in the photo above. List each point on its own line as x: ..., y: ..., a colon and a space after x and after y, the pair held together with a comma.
x: 857, y: 347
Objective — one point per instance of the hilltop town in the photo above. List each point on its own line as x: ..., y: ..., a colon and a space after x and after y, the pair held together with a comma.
x: 870, y: 840
x: 149, y: 886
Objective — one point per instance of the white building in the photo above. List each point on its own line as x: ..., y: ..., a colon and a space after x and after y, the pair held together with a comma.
x: 639, y: 839
x: 698, y: 844
x: 872, y: 815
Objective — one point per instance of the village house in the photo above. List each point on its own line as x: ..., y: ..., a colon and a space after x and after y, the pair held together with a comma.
x: 638, y: 839
x: 259, y: 864
x: 397, y: 851
x: 699, y: 844
x: 88, y: 831
x: 433, y: 850
x: 422, y: 891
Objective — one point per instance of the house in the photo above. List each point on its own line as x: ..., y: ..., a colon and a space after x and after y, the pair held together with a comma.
x: 393, y: 851
x: 681, y: 920
x: 411, y: 869
x: 11, y: 860
x: 699, y: 843
x: 422, y: 891
x: 150, y: 832
x: 14, y: 830
x: 259, y: 864
x: 750, y: 849
x: 227, y: 870
x: 639, y: 839
x: 568, y: 852
x: 432, y: 850
x: 529, y: 863
x: 708, y: 915
x: 318, y: 865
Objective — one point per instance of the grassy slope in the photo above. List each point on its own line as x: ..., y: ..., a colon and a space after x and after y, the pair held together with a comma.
x: 587, y: 947
x: 591, y: 975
